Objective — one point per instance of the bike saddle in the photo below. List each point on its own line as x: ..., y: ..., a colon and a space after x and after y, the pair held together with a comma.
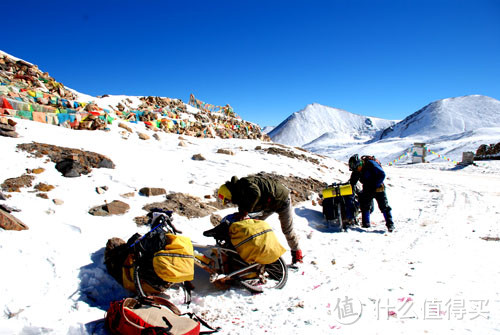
x: 219, y: 231
x: 211, y: 232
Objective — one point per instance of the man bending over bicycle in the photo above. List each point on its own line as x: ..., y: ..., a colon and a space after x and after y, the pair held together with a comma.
x: 260, y: 194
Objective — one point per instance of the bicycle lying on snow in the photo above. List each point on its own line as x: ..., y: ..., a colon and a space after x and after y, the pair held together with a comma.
x: 223, y: 263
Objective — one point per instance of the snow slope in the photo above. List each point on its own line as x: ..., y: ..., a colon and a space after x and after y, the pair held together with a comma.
x: 433, y: 275
x: 448, y: 117
x: 316, y: 120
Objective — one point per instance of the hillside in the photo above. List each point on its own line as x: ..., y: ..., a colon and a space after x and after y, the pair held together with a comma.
x: 28, y: 92
x: 441, y: 255
x: 448, y: 117
x: 316, y: 120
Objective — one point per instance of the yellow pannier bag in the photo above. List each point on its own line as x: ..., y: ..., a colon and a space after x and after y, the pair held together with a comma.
x: 128, y: 278
x: 175, y: 263
x: 343, y: 189
x: 255, y: 241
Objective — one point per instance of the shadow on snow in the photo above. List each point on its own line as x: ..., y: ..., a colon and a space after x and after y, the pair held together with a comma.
x: 97, y: 287
x: 317, y: 221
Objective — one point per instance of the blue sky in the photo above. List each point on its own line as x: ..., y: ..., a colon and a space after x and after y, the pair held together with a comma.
x: 267, y: 59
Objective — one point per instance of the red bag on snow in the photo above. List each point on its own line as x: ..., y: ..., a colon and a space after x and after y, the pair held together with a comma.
x: 153, y: 316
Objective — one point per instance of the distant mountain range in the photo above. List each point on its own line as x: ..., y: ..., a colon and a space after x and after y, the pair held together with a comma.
x: 316, y: 121
x: 451, y: 125
x: 447, y: 117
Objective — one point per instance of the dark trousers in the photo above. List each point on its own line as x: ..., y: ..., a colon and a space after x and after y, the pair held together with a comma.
x: 365, y: 199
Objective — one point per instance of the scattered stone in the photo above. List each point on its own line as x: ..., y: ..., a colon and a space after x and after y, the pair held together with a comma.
x: 125, y: 126
x: 207, y: 196
x: 70, y: 168
x: 7, y: 127
x: 116, y: 207
x: 128, y: 195
x: 141, y: 220
x: 125, y: 135
x: 185, y: 205
x: 7, y: 133
x: 198, y: 157
x: 152, y: 191
x: 42, y: 195
x: 156, y: 137
x: 44, y: 187
x: 491, y: 151
x: 58, y: 202
x: 290, y: 154
x: 38, y: 170
x: 100, y: 190
x: 10, y: 222
x: 225, y: 151
x: 73, y: 162
x: 7, y: 121
x: 2, y: 196
x: 9, y: 209
x: 15, y: 184
x: 106, y: 163
x: 489, y: 238
x: 182, y: 144
x: 215, y: 219
x: 434, y: 190
x: 143, y: 136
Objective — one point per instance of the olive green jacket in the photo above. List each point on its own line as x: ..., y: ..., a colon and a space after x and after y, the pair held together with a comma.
x: 254, y: 194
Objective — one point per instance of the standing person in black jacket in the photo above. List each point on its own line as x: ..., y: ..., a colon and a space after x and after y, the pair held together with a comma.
x: 255, y: 194
x: 369, y: 172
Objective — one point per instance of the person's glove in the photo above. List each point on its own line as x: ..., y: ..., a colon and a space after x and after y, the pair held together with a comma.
x: 380, y: 189
x: 297, y: 256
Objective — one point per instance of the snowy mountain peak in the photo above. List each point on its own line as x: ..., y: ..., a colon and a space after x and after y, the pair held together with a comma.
x: 447, y: 117
x: 315, y: 120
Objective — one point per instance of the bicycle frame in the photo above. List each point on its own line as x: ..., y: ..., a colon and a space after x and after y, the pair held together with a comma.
x: 225, y: 264
x: 216, y: 267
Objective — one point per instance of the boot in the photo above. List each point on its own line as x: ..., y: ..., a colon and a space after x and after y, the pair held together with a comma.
x: 388, y: 221
x: 365, y: 219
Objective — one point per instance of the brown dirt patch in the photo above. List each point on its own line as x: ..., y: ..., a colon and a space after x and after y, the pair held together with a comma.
x: 194, y: 207
x: 15, y: 184
x: 56, y: 154
x: 288, y: 153
x: 181, y: 204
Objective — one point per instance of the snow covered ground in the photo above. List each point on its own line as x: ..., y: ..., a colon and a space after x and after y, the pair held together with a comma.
x: 434, y: 275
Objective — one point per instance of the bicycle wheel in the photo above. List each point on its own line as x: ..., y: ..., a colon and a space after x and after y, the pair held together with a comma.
x: 274, y: 275
x: 339, y: 224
